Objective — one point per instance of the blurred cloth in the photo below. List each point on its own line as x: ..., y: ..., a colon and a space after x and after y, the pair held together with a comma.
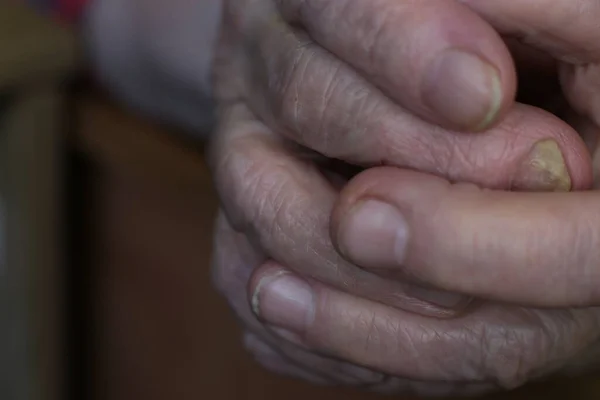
x: 67, y: 10
x: 155, y: 56
x: 152, y: 55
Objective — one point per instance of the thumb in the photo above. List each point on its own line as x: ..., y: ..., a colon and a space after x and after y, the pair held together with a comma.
x: 568, y: 31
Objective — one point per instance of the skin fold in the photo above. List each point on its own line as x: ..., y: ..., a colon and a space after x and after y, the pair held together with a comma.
x: 409, y: 110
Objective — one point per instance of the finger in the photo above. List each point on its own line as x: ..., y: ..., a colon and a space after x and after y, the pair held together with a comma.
x: 284, y: 203
x: 529, y: 248
x: 498, y: 345
x: 306, y: 309
x: 234, y: 259
x: 274, y: 362
x: 567, y: 29
x: 581, y: 85
x: 285, y: 358
x: 439, y: 60
x: 322, y: 104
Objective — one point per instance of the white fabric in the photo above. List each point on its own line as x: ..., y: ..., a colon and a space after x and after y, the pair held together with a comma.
x: 155, y: 55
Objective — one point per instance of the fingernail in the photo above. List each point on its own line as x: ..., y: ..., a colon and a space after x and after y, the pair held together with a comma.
x: 463, y: 89
x: 374, y: 234
x: 544, y: 169
x: 438, y: 298
x: 284, y: 301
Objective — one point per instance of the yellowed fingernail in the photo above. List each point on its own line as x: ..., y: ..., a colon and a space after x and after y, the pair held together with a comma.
x: 544, y: 169
x: 495, y: 102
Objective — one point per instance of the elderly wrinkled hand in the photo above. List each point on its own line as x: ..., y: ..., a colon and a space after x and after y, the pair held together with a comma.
x: 400, y: 280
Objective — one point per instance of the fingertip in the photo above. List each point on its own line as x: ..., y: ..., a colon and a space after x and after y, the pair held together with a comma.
x: 467, y: 92
x: 439, y: 60
x: 282, y: 300
x: 472, y: 83
x: 375, y: 184
x: 573, y: 151
x: 260, y: 277
x: 492, y: 49
x: 461, y: 230
x: 370, y: 230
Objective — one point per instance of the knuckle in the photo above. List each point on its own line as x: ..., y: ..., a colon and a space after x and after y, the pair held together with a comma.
x: 417, y: 149
x: 377, y: 31
x: 226, y: 271
x: 510, y: 356
x: 244, y: 178
x: 262, y: 188
x: 317, y: 96
x: 260, y: 192
x: 293, y: 85
x: 267, y: 198
x: 480, y: 160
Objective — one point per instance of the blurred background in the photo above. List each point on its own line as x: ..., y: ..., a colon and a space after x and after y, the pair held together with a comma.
x: 105, y: 237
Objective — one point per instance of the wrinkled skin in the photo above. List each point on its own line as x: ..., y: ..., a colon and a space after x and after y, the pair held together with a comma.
x: 291, y: 99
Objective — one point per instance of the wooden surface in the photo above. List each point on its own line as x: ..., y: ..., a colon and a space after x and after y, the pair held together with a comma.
x: 31, y: 284
x: 35, y: 56
x: 162, y: 333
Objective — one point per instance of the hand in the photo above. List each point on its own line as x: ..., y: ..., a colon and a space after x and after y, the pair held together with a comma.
x: 531, y: 260
x: 276, y: 142
x: 564, y: 53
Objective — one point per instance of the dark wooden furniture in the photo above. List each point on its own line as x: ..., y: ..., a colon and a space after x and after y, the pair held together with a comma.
x: 35, y: 57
